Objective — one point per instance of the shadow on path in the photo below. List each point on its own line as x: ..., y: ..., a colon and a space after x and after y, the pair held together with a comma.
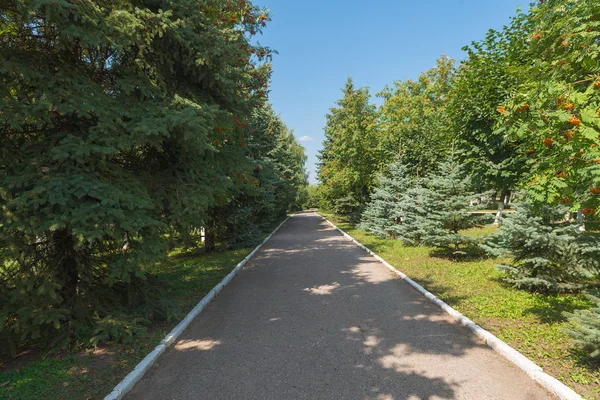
x: 312, y: 316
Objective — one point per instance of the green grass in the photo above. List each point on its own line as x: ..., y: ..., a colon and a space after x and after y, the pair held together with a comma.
x: 93, y: 374
x: 532, y: 323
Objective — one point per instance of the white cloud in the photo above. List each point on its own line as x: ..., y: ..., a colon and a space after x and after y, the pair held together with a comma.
x: 305, y: 139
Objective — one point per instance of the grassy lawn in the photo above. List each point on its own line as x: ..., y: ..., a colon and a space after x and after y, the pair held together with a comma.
x: 92, y: 375
x: 531, y: 323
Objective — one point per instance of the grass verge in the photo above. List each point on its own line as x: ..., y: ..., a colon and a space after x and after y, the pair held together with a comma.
x: 529, y: 322
x: 92, y: 374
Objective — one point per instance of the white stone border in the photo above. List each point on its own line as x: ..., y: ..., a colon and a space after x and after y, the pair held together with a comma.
x: 143, y: 366
x: 553, y: 385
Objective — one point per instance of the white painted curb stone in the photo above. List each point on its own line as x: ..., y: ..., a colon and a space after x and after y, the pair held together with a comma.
x: 553, y: 385
x: 143, y: 366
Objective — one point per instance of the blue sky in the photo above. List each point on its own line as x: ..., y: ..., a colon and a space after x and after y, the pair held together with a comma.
x: 321, y: 43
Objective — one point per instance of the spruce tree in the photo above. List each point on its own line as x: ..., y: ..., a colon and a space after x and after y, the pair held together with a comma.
x: 449, y: 196
x: 381, y: 213
x: 547, y: 253
x: 118, y: 120
x: 268, y: 188
x: 412, y: 212
x: 585, y: 326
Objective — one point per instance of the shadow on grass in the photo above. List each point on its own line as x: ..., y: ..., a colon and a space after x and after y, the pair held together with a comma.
x: 583, y: 359
x: 551, y: 308
x: 443, y: 292
x: 469, y: 253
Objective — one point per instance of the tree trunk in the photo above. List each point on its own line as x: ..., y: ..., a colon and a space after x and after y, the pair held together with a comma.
x: 501, y: 204
x: 209, y: 239
x: 581, y: 220
x: 65, y: 260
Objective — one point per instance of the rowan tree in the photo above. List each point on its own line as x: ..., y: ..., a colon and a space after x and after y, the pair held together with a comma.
x: 554, y: 112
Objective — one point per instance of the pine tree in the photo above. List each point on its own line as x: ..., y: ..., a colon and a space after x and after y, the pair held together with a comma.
x: 585, y: 330
x: 449, y: 211
x: 381, y: 213
x: 547, y: 255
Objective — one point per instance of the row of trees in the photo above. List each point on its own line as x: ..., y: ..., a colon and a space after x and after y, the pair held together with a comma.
x: 126, y: 125
x: 520, y: 114
x: 522, y: 111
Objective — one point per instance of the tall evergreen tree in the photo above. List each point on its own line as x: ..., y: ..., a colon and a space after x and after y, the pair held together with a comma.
x: 118, y: 119
x: 268, y: 188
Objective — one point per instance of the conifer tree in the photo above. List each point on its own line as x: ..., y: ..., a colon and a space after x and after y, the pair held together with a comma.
x: 547, y: 255
x: 268, y: 188
x: 381, y: 213
x: 413, y: 209
x: 118, y: 119
x: 449, y: 196
x: 585, y: 330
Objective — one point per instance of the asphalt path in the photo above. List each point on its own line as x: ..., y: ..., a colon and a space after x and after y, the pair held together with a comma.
x: 312, y: 316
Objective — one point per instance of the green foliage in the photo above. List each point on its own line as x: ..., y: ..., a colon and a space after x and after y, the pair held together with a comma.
x: 553, y: 112
x: 381, y: 213
x: 481, y: 83
x: 414, y: 121
x: 313, y: 197
x: 449, y: 209
x: 267, y: 189
x: 547, y: 254
x: 349, y: 207
x: 585, y: 331
x: 122, y: 124
x: 184, y: 280
x: 349, y: 158
x: 414, y: 209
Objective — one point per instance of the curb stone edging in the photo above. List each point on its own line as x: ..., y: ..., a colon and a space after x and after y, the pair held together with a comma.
x: 143, y: 366
x: 535, y: 372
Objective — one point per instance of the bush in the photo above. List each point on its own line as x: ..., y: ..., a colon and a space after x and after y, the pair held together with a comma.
x: 548, y: 255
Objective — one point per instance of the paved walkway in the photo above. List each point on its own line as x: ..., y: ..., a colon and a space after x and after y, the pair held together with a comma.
x: 312, y: 316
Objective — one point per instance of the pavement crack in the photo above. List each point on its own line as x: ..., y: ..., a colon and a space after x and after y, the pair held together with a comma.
x: 316, y: 343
